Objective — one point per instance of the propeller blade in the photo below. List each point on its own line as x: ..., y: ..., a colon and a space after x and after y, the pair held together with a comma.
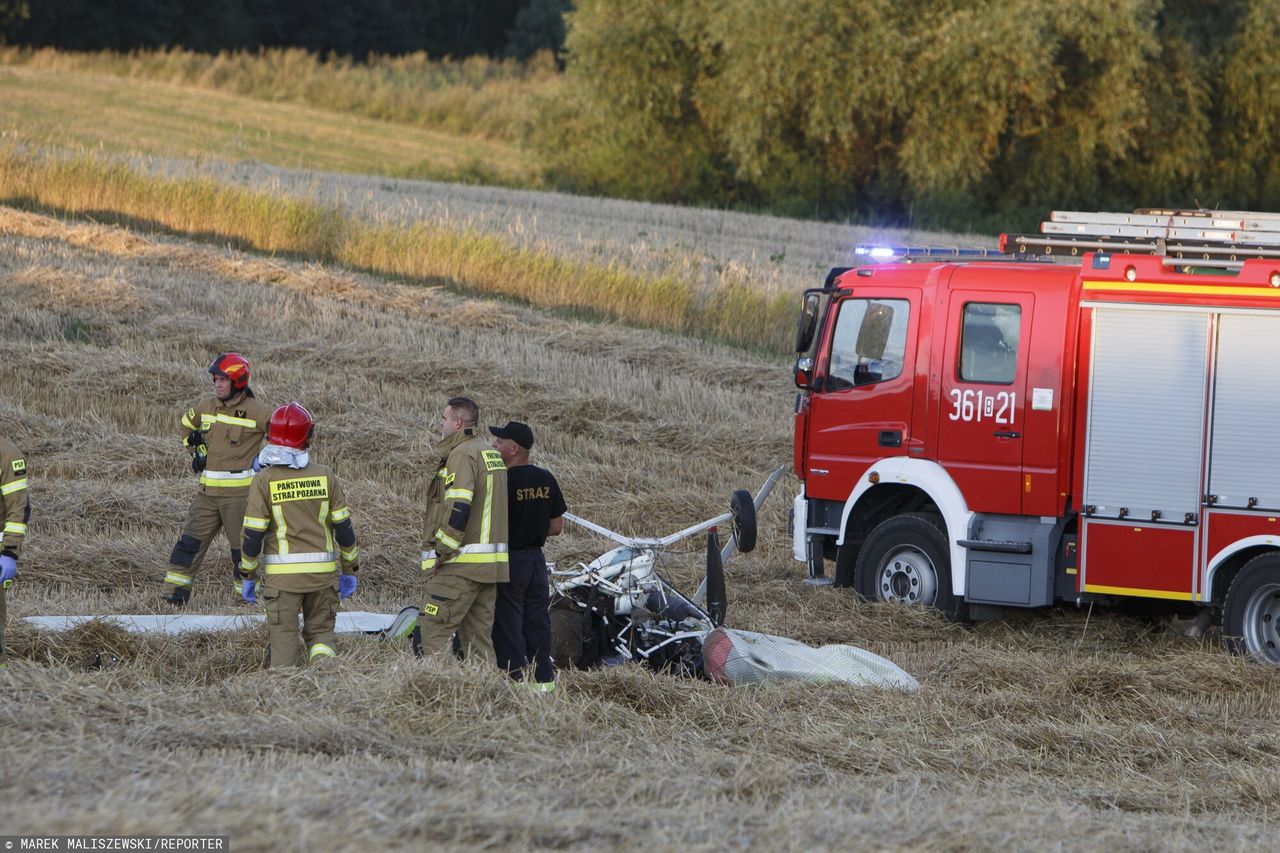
x: 717, y: 597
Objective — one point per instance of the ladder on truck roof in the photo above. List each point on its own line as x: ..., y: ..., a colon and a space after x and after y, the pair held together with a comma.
x: 1217, y: 239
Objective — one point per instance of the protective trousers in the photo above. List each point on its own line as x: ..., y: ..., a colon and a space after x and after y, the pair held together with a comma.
x: 208, y: 514
x: 319, y: 610
x: 4, y: 653
x: 457, y: 604
x: 521, y: 622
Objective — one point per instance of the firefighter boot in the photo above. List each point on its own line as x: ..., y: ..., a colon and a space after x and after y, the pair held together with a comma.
x: 179, y: 597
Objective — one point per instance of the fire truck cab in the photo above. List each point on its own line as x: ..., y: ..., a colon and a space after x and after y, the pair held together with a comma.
x: 980, y: 433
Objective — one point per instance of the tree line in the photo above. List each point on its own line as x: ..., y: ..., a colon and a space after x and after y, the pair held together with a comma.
x: 961, y: 113
x: 978, y: 114
x: 350, y: 28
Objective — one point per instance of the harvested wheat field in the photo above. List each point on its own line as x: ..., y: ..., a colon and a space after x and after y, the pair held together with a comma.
x: 1044, y: 731
x: 708, y: 247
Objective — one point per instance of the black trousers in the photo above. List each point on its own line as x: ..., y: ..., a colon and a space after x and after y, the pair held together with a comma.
x: 521, y: 623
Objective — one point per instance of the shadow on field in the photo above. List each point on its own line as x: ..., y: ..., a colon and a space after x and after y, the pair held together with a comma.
x: 459, y: 287
x: 146, y: 226
x: 134, y: 223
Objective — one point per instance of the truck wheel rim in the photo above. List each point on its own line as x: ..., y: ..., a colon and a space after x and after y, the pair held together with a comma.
x: 1262, y: 623
x: 907, y: 576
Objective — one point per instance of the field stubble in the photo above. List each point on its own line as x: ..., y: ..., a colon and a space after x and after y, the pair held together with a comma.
x: 426, y: 252
x: 476, y: 97
x: 714, y: 248
x: 1030, y: 733
x: 48, y: 106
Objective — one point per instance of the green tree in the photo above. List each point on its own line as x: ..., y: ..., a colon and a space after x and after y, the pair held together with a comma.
x: 1171, y: 165
x: 1249, y: 100
x: 629, y: 123
x: 951, y: 112
x: 1019, y: 105
x: 1177, y: 158
x: 12, y: 11
x: 805, y: 95
x: 539, y: 25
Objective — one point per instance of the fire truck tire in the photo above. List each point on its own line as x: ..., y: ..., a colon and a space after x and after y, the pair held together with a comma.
x: 906, y: 560
x: 1251, y: 612
x: 743, y: 508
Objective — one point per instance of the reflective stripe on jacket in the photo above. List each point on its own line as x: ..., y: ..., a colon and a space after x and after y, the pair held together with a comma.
x: 470, y: 482
x: 15, y: 507
x: 296, y: 564
x: 233, y: 433
x: 226, y: 479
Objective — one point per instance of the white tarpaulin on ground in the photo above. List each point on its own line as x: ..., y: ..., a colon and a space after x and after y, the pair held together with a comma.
x: 745, y: 657
x: 355, y: 622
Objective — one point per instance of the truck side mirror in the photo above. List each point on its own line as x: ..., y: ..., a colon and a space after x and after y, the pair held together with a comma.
x: 807, y: 325
x: 803, y: 372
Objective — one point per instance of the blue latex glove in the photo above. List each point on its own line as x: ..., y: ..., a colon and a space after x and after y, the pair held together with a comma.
x: 9, y: 570
x: 257, y: 466
x: 347, y: 585
x: 248, y: 591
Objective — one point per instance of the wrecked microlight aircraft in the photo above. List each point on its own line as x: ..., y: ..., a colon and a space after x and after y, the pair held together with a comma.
x: 618, y: 608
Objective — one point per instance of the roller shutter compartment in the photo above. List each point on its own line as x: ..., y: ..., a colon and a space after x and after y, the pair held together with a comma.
x: 1243, y: 463
x: 1146, y: 414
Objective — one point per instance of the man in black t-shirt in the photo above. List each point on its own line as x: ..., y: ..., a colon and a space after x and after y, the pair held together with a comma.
x: 535, y: 509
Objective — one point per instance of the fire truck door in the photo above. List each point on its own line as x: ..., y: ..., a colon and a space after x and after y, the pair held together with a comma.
x: 983, y: 386
x: 860, y: 408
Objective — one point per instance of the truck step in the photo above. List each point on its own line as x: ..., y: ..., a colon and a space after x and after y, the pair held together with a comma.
x: 1003, y: 545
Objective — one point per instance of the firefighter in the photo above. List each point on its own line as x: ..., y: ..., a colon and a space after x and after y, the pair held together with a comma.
x: 521, y: 622
x: 297, y: 532
x: 464, y: 536
x: 16, y: 511
x: 224, y: 434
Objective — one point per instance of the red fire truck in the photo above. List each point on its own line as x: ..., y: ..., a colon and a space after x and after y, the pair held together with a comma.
x: 980, y: 430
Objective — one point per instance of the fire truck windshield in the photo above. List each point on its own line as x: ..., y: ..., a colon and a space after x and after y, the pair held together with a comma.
x: 869, y: 342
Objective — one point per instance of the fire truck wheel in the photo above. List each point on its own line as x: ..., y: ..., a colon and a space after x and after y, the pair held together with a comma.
x: 1251, y: 613
x: 905, y: 560
x: 744, y: 520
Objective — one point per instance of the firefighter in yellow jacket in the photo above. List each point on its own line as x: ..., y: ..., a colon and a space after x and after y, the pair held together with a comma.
x: 16, y: 510
x: 297, y: 532
x: 464, y: 536
x: 223, y: 434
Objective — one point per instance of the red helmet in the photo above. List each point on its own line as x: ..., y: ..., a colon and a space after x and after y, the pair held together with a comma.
x: 234, y: 366
x: 291, y: 426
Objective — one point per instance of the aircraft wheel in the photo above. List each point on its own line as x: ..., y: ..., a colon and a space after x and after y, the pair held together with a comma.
x: 743, y: 508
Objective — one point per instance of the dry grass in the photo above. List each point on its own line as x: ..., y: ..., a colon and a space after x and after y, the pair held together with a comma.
x: 431, y: 252
x: 714, y: 250
x: 1028, y: 734
x: 53, y: 105
x: 474, y: 97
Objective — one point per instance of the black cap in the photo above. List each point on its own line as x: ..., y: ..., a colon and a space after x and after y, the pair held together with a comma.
x: 517, y: 432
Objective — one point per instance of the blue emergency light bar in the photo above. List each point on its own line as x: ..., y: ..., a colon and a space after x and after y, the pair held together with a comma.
x: 885, y: 253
